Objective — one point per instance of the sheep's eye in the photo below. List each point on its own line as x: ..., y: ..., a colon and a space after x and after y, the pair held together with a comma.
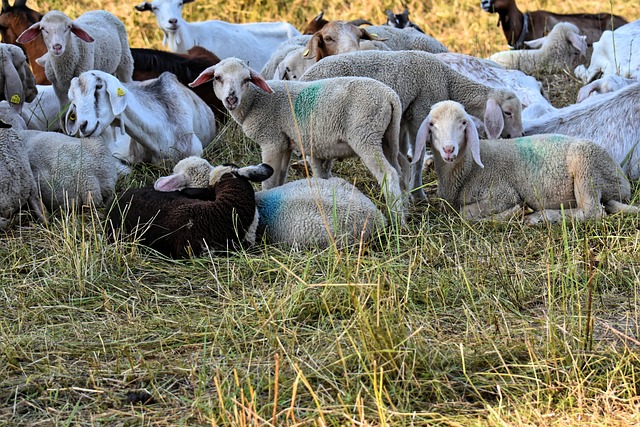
x: 247, y: 80
x: 217, y: 78
x: 507, y: 113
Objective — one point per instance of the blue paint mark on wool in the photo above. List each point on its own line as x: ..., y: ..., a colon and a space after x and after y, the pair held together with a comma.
x: 269, y: 206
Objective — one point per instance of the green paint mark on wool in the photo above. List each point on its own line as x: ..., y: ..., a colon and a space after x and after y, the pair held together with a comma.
x: 306, y: 101
x: 535, y: 151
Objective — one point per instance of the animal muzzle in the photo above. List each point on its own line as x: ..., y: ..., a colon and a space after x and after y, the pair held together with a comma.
x: 231, y: 102
x: 57, y: 49
x: 487, y: 6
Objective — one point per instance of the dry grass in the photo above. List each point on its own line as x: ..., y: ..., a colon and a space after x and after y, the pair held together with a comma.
x: 447, y: 323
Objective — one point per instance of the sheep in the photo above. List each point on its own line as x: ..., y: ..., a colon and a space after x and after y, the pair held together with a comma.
x: 71, y: 171
x: 401, y: 20
x: 519, y: 27
x: 604, y: 119
x: 43, y: 113
x: 16, y: 178
x: 101, y: 44
x: 608, y: 83
x: 317, y: 23
x: 527, y: 88
x: 16, y: 79
x: 614, y: 53
x: 405, y: 39
x: 421, y: 80
x: 271, y: 68
x: 253, y: 42
x: 222, y: 217
x: 167, y: 121
x: 343, y: 117
x: 13, y: 21
x: 562, y: 49
x: 549, y: 174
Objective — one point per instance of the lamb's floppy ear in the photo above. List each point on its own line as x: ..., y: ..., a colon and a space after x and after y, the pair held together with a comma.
x: 30, y: 33
x: 493, y: 120
x: 13, y: 86
x: 579, y: 42
x: 174, y: 182
x: 143, y: 7
x: 473, y: 141
x: 205, y: 76
x: 259, y: 81
x: 537, y: 43
x: 117, y: 95
x: 257, y: 173
x: 28, y: 80
x: 78, y: 31
x: 421, y: 139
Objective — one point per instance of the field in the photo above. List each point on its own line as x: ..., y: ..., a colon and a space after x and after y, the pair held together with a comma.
x: 442, y: 323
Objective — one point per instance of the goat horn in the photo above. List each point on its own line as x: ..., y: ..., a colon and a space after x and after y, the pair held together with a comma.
x: 5, y: 5
x: 19, y: 3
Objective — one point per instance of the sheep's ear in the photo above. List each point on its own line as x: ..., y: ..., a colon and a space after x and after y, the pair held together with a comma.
x: 257, y: 173
x: 13, y: 86
x: 579, y: 42
x: 421, y: 139
x: 143, y: 7
x: 493, y: 120
x: 205, y: 76
x: 537, y: 43
x: 82, y: 34
x: 117, y: 96
x: 28, y: 80
x: 30, y: 33
x: 174, y: 182
x: 473, y: 141
x: 281, y: 71
x: 259, y: 81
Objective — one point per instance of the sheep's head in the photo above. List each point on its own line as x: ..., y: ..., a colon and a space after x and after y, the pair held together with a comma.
x: 168, y: 13
x: 451, y: 131
x: 231, y: 76
x: 334, y: 38
x: 503, y: 115
x: 97, y: 98
x: 56, y: 29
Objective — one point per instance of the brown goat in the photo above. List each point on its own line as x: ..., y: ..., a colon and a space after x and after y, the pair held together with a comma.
x: 13, y: 21
x: 336, y: 37
x: 318, y: 22
x: 519, y: 27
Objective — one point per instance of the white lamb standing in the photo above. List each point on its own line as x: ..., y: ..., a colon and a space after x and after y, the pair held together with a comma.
x: 562, y: 49
x: 615, y: 53
x: 96, y: 40
x: 165, y: 120
x: 326, y: 120
x: 253, y: 42
x: 549, y: 174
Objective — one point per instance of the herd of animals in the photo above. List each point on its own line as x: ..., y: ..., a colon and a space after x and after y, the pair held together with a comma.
x: 80, y: 106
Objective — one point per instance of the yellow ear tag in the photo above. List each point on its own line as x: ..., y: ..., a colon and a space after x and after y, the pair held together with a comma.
x: 120, y: 91
x: 305, y: 53
x: 15, y: 99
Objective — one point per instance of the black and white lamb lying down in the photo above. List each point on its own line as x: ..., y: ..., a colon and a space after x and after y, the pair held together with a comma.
x: 220, y: 215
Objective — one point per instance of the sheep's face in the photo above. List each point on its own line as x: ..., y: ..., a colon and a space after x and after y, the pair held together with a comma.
x: 448, y: 127
x: 92, y: 108
x: 512, y: 116
x: 168, y: 13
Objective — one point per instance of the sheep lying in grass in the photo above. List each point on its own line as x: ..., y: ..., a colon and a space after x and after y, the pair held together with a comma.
x: 562, y: 49
x: 550, y: 174
x: 101, y: 44
x: 221, y: 216
x: 331, y: 119
x: 16, y: 179
x: 308, y: 213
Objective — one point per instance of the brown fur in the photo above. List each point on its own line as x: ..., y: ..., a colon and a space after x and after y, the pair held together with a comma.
x: 317, y: 23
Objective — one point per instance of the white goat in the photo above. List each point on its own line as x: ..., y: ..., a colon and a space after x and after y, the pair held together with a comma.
x: 615, y: 53
x: 608, y: 83
x: 101, y: 44
x: 253, y: 42
x: 166, y: 120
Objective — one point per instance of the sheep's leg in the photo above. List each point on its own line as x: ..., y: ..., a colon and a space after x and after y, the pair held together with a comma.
x: 279, y: 161
x: 587, y: 197
x: 195, y: 148
x: 34, y: 202
x: 613, y: 206
x: 487, y: 209
x: 321, y: 167
x: 389, y: 180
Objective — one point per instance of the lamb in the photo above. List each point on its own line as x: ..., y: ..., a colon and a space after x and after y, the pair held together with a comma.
x: 401, y: 20
x: 18, y: 184
x: 604, y: 119
x: 614, y: 53
x: 317, y: 23
x: 608, y: 83
x: 519, y: 27
x: 562, y: 49
x: 167, y: 121
x: 303, y: 214
x: 71, y: 172
x: 221, y: 217
x: 101, y: 44
x: 406, y: 39
x: 253, y: 42
x: 16, y: 79
x: 343, y: 117
x: 549, y: 174
x: 424, y: 81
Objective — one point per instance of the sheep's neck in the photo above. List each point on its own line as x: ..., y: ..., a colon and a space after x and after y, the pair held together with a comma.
x: 452, y: 177
x: 512, y: 21
x: 248, y: 98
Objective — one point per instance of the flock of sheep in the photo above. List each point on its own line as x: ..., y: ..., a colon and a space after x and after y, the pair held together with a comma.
x: 381, y: 93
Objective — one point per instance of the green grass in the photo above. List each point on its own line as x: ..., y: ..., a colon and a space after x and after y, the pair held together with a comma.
x: 441, y: 323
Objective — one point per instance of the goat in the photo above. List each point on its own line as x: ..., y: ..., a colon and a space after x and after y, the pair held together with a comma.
x: 317, y: 23
x: 401, y: 20
x: 519, y: 27
x: 253, y: 42
x: 13, y: 21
